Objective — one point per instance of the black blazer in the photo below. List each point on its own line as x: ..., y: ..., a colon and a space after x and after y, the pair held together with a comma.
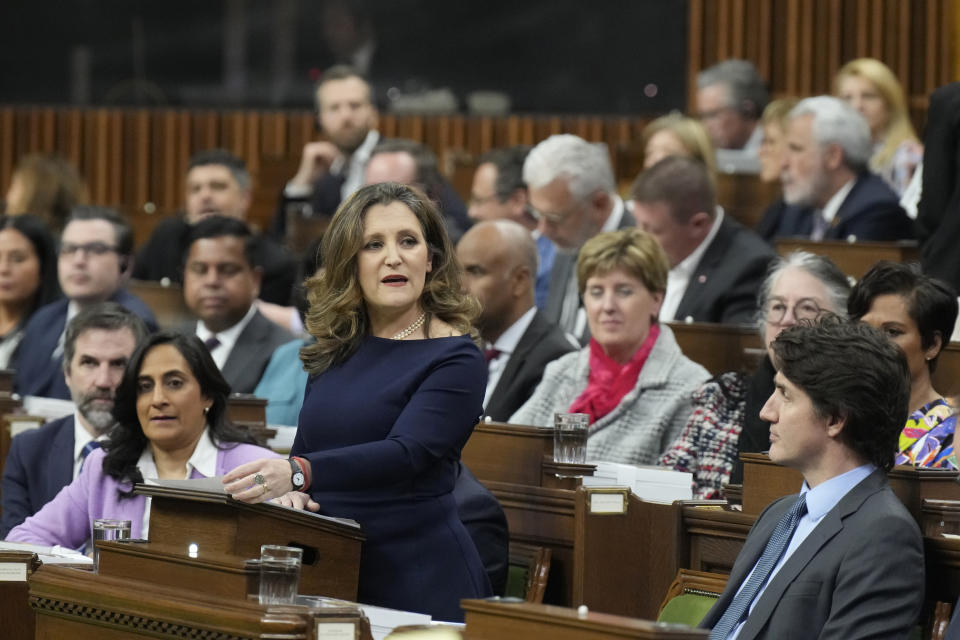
x: 871, y: 211
x: 251, y: 353
x: 723, y: 288
x: 39, y: 464
x: 541, y: 343
x: 938, y: 214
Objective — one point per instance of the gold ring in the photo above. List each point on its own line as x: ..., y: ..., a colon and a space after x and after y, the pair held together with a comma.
x: 264, y: 485
x: 259, y: 479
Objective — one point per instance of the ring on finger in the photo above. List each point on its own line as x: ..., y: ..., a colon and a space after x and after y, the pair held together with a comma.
x: 259, y: 479
x: 264, y: 485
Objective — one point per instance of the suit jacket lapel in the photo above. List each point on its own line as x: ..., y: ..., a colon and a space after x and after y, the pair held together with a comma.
x: 527, y: 342
x: 60, y: 469
x: 829, y: 527
x: 559, y: 276
x: 700, y: 278
x: 236, y: 369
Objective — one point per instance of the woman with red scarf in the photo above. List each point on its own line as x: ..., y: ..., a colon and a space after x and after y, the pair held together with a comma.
x: 632, y: 379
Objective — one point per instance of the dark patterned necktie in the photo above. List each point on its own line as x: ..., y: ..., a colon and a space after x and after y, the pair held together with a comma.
x: 211, y: 343
x: 771, y: 554
x: 490, y: 354
x: 87, y: 450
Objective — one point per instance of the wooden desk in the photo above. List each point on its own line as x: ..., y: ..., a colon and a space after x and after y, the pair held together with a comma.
x: 17, y: 619
x: 166, y: 302
x: 745, y: 197
x: 853, y: 258
x: 87, y: 606
x: 491, y: 620
x: 719, y: 347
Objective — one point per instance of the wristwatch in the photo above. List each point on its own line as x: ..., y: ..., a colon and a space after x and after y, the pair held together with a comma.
x: 297, y: 477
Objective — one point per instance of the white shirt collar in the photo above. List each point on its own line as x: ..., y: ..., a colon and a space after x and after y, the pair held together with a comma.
x: 612, y: 222
x: 829, y: 211
x: 507, y: 342
x: 753, y: 142
x: 356, y: 165
x: 203, y: 459
x: 228, y: 338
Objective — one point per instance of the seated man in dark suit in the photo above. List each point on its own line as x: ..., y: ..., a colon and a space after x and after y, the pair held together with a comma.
x: 96, y: 346
x: 826, y: 180
x: 217, y: 183
x: 844, y: 558
x: 716, y: 264
x: 94, y: 262
x: 499, y: 260
x: 220, y: 285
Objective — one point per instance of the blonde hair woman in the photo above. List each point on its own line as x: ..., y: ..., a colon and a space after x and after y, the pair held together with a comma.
x: 46, y: 186
x: 677, y: 135
x: 632, y: 379
x: 870, y: 87
x: 396, y: 385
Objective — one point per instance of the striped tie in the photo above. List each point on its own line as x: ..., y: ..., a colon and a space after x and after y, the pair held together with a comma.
x: 87, y: 449
x: 740, y: 604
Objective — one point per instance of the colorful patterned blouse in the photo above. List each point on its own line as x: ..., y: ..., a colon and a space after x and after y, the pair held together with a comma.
x: 927, y: 440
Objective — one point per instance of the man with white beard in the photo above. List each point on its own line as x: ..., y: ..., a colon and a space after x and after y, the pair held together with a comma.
x: 97, y: 344
x: 832, y: 193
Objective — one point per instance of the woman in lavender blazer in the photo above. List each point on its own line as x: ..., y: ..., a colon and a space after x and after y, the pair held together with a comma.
x: 170, y: 410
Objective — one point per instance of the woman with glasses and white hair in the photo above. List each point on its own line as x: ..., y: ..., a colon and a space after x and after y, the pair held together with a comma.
x: 726, y: 415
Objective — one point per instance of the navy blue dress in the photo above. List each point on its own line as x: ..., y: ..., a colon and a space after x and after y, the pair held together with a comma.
x: 383, y: 433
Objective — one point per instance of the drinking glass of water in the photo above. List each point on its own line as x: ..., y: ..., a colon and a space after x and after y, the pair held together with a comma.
x: 105, y: 530
x: 279, y: 573
x: 570, y: 437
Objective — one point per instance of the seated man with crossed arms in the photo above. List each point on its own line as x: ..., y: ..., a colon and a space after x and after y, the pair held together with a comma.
x: 844, y: 558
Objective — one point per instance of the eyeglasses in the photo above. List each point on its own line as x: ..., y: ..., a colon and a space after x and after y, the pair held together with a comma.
x: 803, y: 309
x: 479, y: 201
x: 90, y: 249
x: 553, y: 219
x: 713, y: 113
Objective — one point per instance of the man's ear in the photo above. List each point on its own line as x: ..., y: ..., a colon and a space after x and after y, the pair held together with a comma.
x: 701, y: 222
x: 521, y: 280
x: 256, y: 274
x: 835, y: 425
x: 833, y: 156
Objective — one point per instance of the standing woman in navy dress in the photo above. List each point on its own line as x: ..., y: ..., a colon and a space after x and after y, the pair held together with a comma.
x: 396, y: 385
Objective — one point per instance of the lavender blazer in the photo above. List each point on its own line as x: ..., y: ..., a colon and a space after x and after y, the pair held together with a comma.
x: 66, y: 520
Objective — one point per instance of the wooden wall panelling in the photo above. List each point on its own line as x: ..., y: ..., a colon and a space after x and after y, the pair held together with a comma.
x: 8, y: 156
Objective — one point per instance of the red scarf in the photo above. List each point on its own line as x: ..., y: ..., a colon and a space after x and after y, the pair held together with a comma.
x: 609, y: 381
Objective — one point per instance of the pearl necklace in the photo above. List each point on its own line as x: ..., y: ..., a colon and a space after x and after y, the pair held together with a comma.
x: 416, y: 325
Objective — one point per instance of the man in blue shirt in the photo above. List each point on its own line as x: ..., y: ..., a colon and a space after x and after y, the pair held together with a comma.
x: 844, y: 559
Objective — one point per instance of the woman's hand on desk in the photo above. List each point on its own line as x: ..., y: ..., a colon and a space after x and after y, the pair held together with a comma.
x: 259, y: 481
x: 298, y: 500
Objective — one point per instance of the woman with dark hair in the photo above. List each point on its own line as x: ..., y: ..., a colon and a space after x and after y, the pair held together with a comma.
x: 396, y: 385
x: 171, y: 425
x: 28, y: 278
x: 918, y: 313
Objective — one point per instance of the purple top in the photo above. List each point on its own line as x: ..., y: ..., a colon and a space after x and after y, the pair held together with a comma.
x: 66, y: 520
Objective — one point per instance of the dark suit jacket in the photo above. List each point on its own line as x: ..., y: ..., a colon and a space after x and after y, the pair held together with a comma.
x: 858, y: 574
x: 39, y: 464
x: 252, y: 352
x: 541, y: 343
x: 39, y: 373
x: 166, y: 249
x: 486, y: 523
x: 563, y: 265
x: 723, y: 288
x: 871, y: 211
x: 938, y: 214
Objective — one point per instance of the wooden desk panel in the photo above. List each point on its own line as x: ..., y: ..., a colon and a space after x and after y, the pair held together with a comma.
x: 508, y: 453
x: 853, y: 258
x: 490, y: 620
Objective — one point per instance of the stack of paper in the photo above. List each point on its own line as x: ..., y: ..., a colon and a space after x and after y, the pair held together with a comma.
x: 383, y: 621
x: 49, y: 555
x: 654, y: 484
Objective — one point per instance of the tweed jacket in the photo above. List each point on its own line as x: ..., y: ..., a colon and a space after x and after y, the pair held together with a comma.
x: 647, y: 420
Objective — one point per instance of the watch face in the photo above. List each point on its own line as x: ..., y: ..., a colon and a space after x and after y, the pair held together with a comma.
x: 298, y: 479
